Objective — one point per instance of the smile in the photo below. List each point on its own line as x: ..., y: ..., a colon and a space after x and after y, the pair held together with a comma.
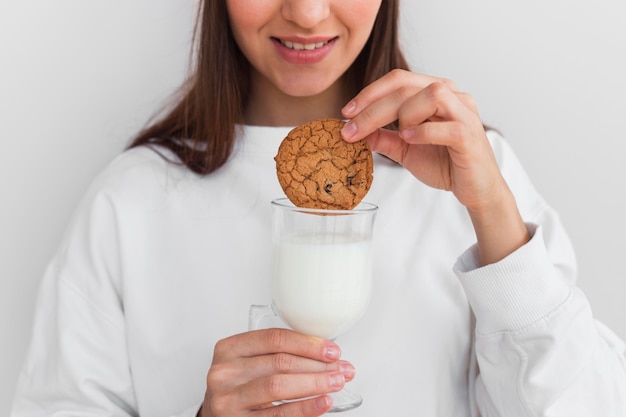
x: 303, y: 46
x: 305, y: 52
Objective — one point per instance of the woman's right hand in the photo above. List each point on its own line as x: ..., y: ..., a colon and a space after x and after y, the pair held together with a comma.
x: 253, y: 370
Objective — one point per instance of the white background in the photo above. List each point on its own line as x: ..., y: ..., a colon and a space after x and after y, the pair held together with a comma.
x: 78, y: 79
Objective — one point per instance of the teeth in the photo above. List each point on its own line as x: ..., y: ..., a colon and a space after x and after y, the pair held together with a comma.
x: 302, y: 46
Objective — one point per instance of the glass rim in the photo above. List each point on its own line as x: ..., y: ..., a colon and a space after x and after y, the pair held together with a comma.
x: 362, y: 208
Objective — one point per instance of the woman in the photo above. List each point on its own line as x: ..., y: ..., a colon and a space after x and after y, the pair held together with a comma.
x: 143, y: 309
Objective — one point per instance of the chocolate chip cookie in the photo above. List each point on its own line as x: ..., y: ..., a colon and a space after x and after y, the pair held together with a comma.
x: 316, y: 168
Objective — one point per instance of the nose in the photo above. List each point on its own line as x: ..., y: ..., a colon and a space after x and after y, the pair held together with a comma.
x: 306, y: 13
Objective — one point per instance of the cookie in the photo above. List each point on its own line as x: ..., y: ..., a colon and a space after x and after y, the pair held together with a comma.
x: 316, y: 168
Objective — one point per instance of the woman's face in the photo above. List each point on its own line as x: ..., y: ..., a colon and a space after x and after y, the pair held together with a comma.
x: 301, y: 47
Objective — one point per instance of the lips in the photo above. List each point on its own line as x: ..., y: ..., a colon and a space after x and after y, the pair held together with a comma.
x: 304, y: 51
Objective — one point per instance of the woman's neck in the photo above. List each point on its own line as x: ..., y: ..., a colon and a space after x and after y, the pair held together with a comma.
x: 268, y: 106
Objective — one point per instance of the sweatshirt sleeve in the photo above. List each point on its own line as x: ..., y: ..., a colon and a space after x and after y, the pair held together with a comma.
x: 78, y: 361
x: 539, y: 350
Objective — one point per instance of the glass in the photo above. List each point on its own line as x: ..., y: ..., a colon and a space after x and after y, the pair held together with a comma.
x: 322, y: 273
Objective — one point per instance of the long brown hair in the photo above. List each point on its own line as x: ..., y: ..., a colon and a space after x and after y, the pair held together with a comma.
x: 199, y: 128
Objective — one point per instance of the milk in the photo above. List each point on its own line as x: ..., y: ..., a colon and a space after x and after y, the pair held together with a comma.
x: 322, y: 283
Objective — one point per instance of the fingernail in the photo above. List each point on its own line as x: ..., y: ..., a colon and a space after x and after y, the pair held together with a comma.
x: 349, y: 130
x: 337, y: 380
x: 349, y: 108
x: 323, y: 402
x: 347, y: 370
x: 407, y: 133
x: 332, y: 352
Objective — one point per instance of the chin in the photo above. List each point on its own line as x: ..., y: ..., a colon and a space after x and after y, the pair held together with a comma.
x: 305, y: 89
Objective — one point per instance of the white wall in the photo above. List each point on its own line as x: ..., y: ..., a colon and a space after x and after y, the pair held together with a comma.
x: 550, y: 76
x: 78, y: 78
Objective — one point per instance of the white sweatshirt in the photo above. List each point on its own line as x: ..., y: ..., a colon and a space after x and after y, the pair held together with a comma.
x: 158, y: 264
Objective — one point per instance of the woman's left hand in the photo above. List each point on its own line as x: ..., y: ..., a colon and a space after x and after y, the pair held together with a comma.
x: 441, y: 141
x: 440, y: 137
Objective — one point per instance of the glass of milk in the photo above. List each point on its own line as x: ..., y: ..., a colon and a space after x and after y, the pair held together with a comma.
x: 322, y: 273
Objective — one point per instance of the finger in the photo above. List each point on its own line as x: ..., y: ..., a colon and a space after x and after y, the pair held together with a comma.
x: 468, y: 101
x: 223, y: 405
x: 381, y: 112
x: 387, y: 142
x: 391, y: 81
x: 283, y: 363
x: 445, y: 133
x: 269, y: 341
x: 410, y: 106
x: 288, y: 387
x: 434, y: 101
x: 312, y: 407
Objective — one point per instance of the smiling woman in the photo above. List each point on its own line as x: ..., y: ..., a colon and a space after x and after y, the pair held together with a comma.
x: 475, y: 309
